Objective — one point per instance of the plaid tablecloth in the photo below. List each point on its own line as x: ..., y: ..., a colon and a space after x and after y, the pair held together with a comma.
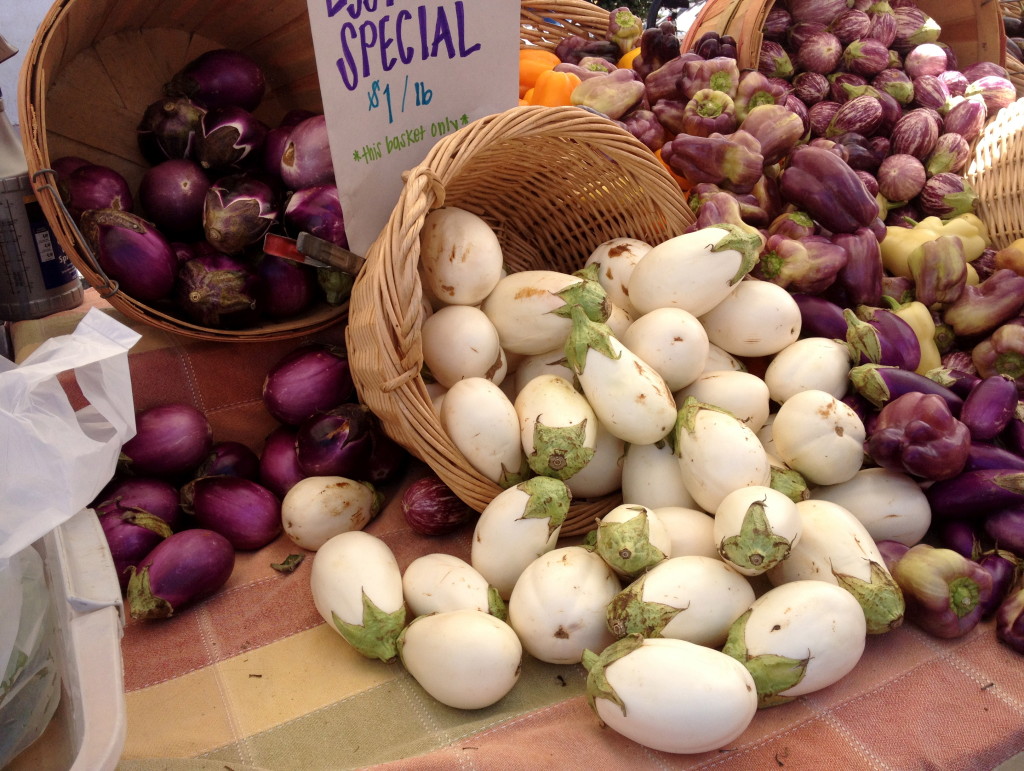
x: 253, y: 679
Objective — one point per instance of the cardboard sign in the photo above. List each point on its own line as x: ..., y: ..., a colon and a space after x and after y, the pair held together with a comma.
x: 396, y: 76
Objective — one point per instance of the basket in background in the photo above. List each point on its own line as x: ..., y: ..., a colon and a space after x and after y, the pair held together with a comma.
x: 996, y: 173
x: 553, y: 183
x: 94, y: 66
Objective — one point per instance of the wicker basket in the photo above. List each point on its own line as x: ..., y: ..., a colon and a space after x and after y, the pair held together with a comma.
x: 553, y: 183
x: 995, y: 173
x: 973, y: 29
x: 93, y: 67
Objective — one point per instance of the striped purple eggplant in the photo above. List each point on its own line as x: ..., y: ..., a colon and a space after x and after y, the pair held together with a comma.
x: 915, y: 133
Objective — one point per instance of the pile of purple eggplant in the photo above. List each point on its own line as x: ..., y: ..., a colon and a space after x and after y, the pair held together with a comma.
x: 188, y: 241
x: 181, y: 505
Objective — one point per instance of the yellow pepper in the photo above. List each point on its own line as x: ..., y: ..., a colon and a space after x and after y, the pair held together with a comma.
x: 532, y: 62
x: 917, y: 315
x: 626, y: 61
x: 899, y: 242
x: 897, y: 245
x: 972, y: 232
x: 554, y: 88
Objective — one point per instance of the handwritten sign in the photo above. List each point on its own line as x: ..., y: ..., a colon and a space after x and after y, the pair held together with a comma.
x: 396, y: 76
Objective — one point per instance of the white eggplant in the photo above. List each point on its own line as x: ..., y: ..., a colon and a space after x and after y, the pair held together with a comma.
x: 631, y: 539
x: 691, y: 531
x: 482, y: 423
x: 516, y: 527
x: 798, y: 638
x: 820, y: 436
x: 719, y: 359
x: 758, y: 318
x: 743, y: 394
x: 693, y: 271
x: 628, y: 396
x: 755, y: 528
x: 316, y: 509
x: 603, y: 474
x: 651, y: 476
x: 835, y: 547
x: 357, y: 589
x: 463, y: 658
x: 558, y: 606
x: 717, y: 454
x: 547, y: 363
x: 439, y: 582
x: 689, y: 598
x: 615, y: 260
x: 529, y: 308
x: 671, y: 695
x: 890, y: 504
x: 460, y: 256
x: 817, y: 363
x: 459, y: 341
x: 557, y: 426
x: 672, y: 341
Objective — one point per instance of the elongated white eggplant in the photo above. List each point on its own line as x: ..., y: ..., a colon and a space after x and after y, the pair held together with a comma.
x: 482, y: 422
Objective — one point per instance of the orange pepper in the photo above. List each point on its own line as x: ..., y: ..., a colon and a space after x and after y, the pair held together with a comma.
x: 626, y: 62
x: 554, y: 89
x: 684, y: 183
x: 532, y: 62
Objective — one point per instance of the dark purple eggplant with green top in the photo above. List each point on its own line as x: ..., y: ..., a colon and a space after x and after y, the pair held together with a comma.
x: 984, y: 307
x: 916, y: 433
x: 1005, y: 528
x: 946, y: 593
x: 881, y: 336
x: 822, y: 184
x: 976, y: 494
x: 181, y: 570
x: 151, y: 494
x: 989, y: 407
x: 880, y: 384
x: 131, y: 534
x: 820, y: 317
x: 335, y: 442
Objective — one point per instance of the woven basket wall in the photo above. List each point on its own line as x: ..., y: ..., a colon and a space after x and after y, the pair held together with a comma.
x: 996, y: 173
x: 553, y: 183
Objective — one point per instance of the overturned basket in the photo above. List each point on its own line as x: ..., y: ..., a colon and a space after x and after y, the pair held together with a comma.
x: 553, y: 183
x: 996, y: 173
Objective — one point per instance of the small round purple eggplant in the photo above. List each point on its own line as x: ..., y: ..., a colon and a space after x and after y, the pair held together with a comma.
x: 1005, y: 568
x: 94, y: 186
x: 306, y: 160
x: 277, y: 138
x: 901, y: 177
x: 170, y: 439
x: 896, y: 83
x: 172, y: 194
x: 219, y: 78
x: 866, y: 57
x: 243, y: 511
x: 819, y: 52
x: 309, y: 379
x: 960, y: 535
x: 820, y: 116
x: 217, y: 290
x: 230, y: 138
x: 279, y: 465
x: 915, y: 133
x: 430, y: 507
x: 931, y: 92
x: 230, y: 458
x: 239, y: 209
x: 131, y: 535
x: 997, y: 92
x: 774, y: 61
x: 982, y: 69
x: 839, y: 83
x: 925, y: 59
x: 950, y: 154
x: 335, y: 442
x: 150, y: 494
x: 284, y: 288
x: 851, y: 24
x: 317, y: 210
x: 955, y: 82
x: 168, y: 129
x: 810, y: 87
x: 181, y: 570
x: 967, y: 118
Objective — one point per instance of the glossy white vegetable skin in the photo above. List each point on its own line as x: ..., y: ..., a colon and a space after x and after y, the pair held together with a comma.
x: 616, y: 260
x: 651, y: 477
x: 890, y: 504
x: 465, y: 659
x: 558, y: 606
x: 672, y: 341
x: 459, y: 341
x: 438, y: 582
x: 758, y: 318
x: 743, y: 394
x: 460, y: 256
x: 316, y: 509
x: 755, y: 528
x: 820, y: 436
x: 811, y: 363
x: 482, y: 422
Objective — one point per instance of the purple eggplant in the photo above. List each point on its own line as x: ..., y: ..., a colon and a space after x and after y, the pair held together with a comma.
x: 882, y: 25
x: 985, y: 455
x: 230, y: 458
x: 896, y: 83
x: 931, y: 92
x: 820, y: 317
x: 975, y: 494
x: 153, y: 495
x: 217, y: 290
x: 1005, y: 569
x: 952, y: 376
x: 335, y: 442
x: 774, y: 61
x: 316, y: 210
x: 950, y: 154
x: 996, y: 91
x: 946, y: 195
x: 777, y: 23
x: 960, y: 535
x: 880, y: 336
x: 901, y: 176
x: 809, y: 264
x: 850, y: 25
x: 170, y: 440
x: 956, y: 82
x: 915, y: 133
x: 861, y: 114
x: 860, y: 279
x: 925, y: 59
x: 1010, y: 619
x: 810, y: 87
x: 967, y: 118
x: 309, y: 379
x: 306, y: 159
x: 982, y: 308
x: 279, y: 463
x: 181, y: 570
x: 913, y: 27
x: 860, y: 153
x: 945, y: 592
x: 1005, y: 526
x: 169, y: 129
x: 880, y: 384
x: 866, y: 57
x: 132, y: 252
x: 718, y: 160
x: 131, y: 535
x: 819, y: 116
x: 230, y: 138
x: 238, y: 211
x: 817, y: 11
x: 220, y: 77
x: 818, y: 52
x: 989, y: 407
x: 822, y: 184
x: 917, y: 434
x: 284, y: 288
x: 243, y: 511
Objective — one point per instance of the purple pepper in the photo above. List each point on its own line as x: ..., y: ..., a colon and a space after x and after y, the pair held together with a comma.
x: 822, y: 184
x: 917, y: 434
x: 945, y: 592
x: 984, y: 307
x: 809, y: 264
x: 861, y: 277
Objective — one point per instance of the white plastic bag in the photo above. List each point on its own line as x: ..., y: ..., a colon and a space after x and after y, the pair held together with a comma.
x: 56, y: 460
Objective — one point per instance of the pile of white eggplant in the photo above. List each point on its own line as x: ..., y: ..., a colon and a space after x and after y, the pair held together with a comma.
x: 741, y: 570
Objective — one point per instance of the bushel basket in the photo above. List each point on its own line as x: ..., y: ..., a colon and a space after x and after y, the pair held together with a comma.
x: 553, y: 183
